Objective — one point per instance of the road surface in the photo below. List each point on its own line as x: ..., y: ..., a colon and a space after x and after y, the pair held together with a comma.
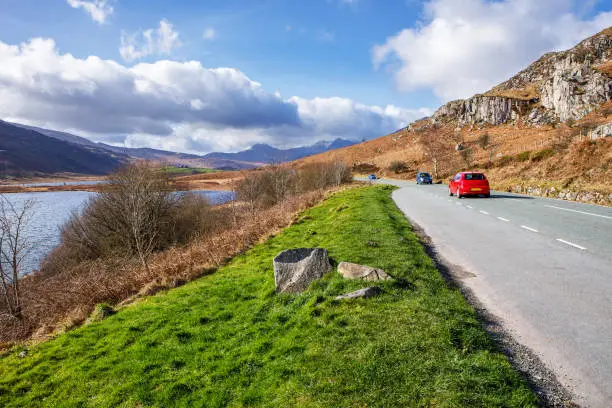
x: 542, y: 266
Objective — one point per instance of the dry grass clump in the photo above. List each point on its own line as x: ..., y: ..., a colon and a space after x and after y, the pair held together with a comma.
x: 527, y: 93
x: 195, y: 238
x: 605, y: 68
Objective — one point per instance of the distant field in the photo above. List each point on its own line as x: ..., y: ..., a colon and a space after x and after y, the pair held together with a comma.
x: 229, y: 340
x: 183, y: 171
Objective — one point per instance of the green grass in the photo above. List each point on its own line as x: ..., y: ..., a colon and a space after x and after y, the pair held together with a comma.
x: 228, y: 340
x: 523, y: 156
x: 184, y: 171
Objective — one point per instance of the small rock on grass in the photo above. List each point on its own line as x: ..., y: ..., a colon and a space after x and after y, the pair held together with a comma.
x: 355, y: 271
x: 361, y: 293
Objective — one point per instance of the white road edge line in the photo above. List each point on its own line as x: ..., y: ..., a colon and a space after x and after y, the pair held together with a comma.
x: 571, y: 244
x: 469, y: 206
x: 529, y: 228
x: 503, y: 219
x: 581, y: 212
x: 484, y: 212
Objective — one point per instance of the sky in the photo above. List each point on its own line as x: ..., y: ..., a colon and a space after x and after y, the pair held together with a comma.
x: 221, y: 75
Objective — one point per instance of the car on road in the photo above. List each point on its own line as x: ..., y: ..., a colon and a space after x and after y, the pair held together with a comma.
x: 469, y: 183
x: 423, y: 178
x: 372, y: 177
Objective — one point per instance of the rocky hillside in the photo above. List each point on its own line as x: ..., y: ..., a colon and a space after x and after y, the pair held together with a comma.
x: 559, y: 87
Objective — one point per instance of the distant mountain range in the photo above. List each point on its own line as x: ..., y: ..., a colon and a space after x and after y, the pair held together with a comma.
x: 28, y: 150
x: 24, y: 152
x: 265, y: 154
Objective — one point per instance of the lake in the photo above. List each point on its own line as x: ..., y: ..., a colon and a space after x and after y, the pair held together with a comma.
x: 53, y: 209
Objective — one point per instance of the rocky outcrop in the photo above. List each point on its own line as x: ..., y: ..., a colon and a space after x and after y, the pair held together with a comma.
x: 361, y: 293
x: 350, y: 270
x: 575, y: 89
x: 482, y: 110
x: 604, y: 130
x: 558, y: 87
x: 296, y: 269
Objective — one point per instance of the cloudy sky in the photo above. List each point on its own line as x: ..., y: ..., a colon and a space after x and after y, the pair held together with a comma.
x: 204, y: 75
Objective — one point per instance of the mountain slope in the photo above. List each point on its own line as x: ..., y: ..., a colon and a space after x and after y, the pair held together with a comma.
x: 27, y: 152
x: 66, y: 137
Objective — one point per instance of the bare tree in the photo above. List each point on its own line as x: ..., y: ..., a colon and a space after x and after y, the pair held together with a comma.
x: 131, y: 216
x: 14, y: 247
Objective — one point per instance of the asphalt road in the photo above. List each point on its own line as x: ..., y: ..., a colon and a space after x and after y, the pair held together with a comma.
x: 542, y: 266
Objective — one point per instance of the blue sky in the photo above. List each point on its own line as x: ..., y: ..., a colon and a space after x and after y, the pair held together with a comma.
x: 326, y: 68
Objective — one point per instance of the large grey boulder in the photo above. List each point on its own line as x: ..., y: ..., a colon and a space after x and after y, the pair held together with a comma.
x: 355, y: 271
x: 295, y: 269
x: 361, y: 293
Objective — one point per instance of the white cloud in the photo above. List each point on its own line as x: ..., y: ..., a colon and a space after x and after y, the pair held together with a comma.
x: 462, y: 47
x: 341, y: 116
x: 174, y: 105
x: 159, y: 41
x: 210, y: 34
x: 99, y: 10
x: 325, y: 36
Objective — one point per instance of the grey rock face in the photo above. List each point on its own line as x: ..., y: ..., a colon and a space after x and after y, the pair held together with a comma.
x: 604, y: 130
x: 361, y: 293
x: 355, y: 271
x: 481, y: 110
x: 562, y: 86
x: 575, y: 89
x: 295, y: 269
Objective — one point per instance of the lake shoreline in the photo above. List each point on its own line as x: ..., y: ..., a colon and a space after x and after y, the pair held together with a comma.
x: 96, y: 188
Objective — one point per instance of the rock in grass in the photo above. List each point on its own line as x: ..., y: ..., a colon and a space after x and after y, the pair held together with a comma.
x: 295, y: 269
x: 355, y: 271
x: 361, y: 293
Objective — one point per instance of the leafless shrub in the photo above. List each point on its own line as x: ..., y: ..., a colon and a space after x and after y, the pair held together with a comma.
x: 399, y: 166
x: 484, y: 140
x: 275, y: 184
x: 265, y: 188
x: 14, y: 247
x: 467, y: 155
x: 364, y: 168
x: 137, y: 214
x: 315, y: 176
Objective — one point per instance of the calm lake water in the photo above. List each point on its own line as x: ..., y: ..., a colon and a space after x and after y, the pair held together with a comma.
x: 53, y: 209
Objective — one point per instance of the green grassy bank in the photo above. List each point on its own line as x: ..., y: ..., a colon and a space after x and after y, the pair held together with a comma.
x: 228, y: 340
x: 185, y: 171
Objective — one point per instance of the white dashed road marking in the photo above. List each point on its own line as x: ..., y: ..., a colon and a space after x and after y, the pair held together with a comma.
x: 469, y: 206
x: 529, y: 228
x: 484, y: 212
x: 503, y: 219
x: 571, y: 244
x: 581, y: 212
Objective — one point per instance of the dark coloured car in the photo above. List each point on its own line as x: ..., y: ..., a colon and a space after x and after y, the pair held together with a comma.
x: 372, y: 177
x: 423, y: 178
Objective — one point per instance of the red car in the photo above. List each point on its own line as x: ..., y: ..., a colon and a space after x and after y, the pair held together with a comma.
x: 469, y: 183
